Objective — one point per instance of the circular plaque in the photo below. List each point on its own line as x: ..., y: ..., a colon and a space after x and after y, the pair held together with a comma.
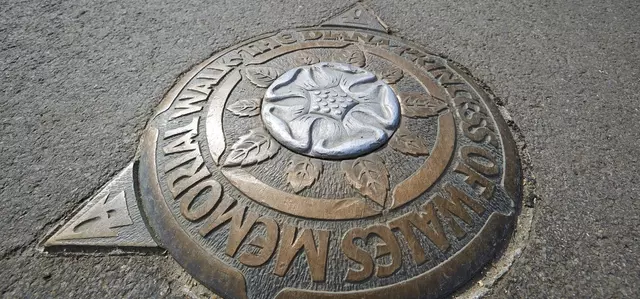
x: 322, y: 163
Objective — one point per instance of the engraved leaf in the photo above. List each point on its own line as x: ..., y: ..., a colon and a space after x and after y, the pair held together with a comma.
x: 262, y: 76
x: 420, y: 105
x: 302, y: 172
x: 352, y: 55
x: 407, y: 142
x: 357, y: 58
x: 391, y: 76
x: 369, y: 176
x: 254, y: 147
x: 306, y: 58
x: 245, y: 107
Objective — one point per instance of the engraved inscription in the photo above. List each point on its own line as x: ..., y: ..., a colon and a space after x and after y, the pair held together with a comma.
x: 192, y: 98
x: 345, y: 35
x: 385, y: 245
x: 451, y: 204
x: 293, y: 241
x: 186, y: 164
x: 426, y: 221
x: 337, y: 161
x: 266, y: 244
x: 195, y: 211
x: 474, y: 119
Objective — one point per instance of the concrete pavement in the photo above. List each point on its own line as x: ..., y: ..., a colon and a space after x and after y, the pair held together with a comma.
x: 81, y: 78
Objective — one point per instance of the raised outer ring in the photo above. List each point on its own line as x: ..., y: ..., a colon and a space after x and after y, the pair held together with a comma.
x: 229, y: 282
x: 225, y: 280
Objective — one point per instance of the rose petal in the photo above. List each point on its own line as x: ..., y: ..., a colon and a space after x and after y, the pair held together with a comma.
x: 302, y: 131
x: 286, y: 86
x: 389, y: 104
x: 322, y: 75
x: 328, y: 128
x: 287, y: 109
x: 277, y: 126
x: 358, y: 83
x: 349, y: 148
x: 374, y: 114
x: 361, y: 120
x: 358, y: 137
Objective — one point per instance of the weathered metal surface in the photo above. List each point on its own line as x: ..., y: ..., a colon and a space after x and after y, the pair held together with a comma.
x: 328, y: 162
x: 263, y: 178
x: 111, y: 218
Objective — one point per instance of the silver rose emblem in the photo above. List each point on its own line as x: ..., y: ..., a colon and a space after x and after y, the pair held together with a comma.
x: 330, y: 110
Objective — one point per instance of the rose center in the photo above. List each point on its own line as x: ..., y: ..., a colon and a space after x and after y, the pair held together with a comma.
x: 332, y: 102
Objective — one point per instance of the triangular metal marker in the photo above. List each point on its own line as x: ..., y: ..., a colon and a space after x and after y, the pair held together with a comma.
x: 110, y: 219
x: 358, y: 17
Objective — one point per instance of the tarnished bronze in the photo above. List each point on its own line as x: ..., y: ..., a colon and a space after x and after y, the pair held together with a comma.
x: 110, y: 218
x: 336, y: 162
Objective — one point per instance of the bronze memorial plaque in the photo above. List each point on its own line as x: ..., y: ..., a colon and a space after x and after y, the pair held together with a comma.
x: 330, y: 162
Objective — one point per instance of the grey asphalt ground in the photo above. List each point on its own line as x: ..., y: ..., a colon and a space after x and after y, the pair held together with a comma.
x: 81, y: 78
